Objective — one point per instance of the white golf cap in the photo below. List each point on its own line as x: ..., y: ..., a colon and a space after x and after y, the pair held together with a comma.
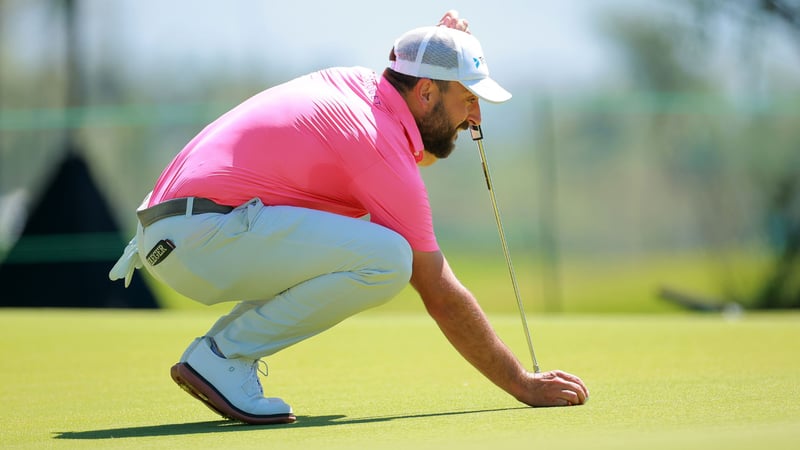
x: 442, y: 53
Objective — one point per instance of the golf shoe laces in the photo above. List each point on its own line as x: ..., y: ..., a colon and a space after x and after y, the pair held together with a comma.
x: 257, y: 367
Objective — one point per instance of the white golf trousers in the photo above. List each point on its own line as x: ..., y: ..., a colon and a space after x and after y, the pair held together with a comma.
x: 294, y: 271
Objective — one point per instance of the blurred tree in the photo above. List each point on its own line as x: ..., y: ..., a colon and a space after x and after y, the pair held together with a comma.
x: 741, y: 161
x: 782, y: 287
x: 781, y: 190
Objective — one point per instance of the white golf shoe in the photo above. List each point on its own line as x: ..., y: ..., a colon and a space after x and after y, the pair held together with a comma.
x: 230, y: 387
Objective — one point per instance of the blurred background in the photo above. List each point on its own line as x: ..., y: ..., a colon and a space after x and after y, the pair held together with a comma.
x: 649, y: 160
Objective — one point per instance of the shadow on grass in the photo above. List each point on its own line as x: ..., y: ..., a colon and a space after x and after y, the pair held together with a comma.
x: 222, y: 426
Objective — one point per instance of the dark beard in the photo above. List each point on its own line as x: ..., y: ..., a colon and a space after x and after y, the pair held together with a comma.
x: 436, y: 132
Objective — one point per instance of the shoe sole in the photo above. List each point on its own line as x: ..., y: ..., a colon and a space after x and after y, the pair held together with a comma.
x: 193, y: 383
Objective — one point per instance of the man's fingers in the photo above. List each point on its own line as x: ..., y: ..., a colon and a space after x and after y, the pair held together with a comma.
x: 571, y: 390
x: 449, y: 17
x: 574, y: 396
x: 558, y: 388
x: 574, y: 379
x: 451, y: 20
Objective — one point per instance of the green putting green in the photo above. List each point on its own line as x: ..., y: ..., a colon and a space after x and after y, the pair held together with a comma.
x: 100, y: 379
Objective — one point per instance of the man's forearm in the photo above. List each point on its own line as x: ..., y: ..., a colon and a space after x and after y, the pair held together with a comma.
x: 465, y: 325
x: 463, y: 322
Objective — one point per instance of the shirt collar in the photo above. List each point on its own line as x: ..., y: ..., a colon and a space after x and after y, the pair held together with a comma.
x: 394, y: 102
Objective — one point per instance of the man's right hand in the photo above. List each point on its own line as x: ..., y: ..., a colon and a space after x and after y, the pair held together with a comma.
x: 553, y: 388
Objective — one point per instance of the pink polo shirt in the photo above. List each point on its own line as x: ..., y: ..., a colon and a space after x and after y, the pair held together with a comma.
x: 340, y: 140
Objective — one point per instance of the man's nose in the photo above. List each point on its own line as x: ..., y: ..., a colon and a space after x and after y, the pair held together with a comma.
x: 474, y: 116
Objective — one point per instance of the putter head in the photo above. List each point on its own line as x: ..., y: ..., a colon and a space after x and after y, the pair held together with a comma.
x: 475, y: 132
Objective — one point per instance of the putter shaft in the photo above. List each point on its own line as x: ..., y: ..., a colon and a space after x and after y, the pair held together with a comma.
x: 477, y: 136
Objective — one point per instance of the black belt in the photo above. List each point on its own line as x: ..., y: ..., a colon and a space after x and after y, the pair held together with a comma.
x: 177, y: 207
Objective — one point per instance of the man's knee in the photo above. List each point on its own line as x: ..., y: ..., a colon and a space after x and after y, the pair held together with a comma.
x: 402, y: 257
x: 391, y: 270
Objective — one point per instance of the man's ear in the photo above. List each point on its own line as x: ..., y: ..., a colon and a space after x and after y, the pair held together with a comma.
x: 426, y: 94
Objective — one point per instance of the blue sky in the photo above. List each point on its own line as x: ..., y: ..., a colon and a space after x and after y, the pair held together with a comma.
x: 530, y: 43
x: 549, y: 41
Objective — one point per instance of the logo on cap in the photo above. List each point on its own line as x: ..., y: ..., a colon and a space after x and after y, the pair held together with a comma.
x: 478, y: 61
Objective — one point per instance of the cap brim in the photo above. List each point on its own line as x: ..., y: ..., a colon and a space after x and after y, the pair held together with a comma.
x: 487, y: 89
